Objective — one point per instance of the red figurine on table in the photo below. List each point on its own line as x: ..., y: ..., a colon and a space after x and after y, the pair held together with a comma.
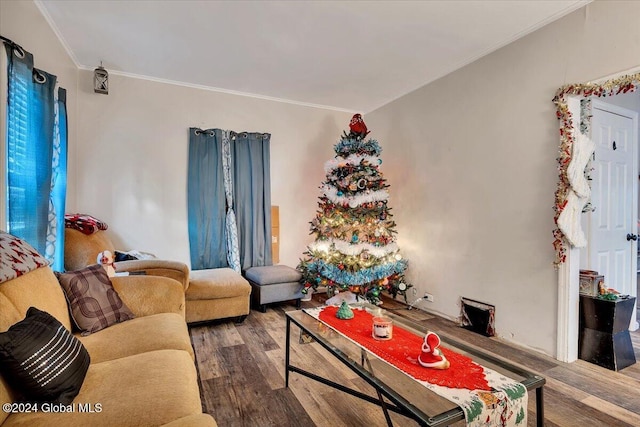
x: 431, y: 356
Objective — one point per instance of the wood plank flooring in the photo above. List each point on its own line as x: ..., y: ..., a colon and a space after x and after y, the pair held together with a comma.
x: 241, y: 374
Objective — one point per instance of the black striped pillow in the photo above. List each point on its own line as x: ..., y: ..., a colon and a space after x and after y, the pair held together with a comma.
x: 42, y: 360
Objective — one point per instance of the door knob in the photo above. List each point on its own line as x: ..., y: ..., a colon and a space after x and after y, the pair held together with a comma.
x: 632, y: 237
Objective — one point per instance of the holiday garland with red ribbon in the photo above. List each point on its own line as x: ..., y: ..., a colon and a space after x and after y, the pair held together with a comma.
x: 624, y: 84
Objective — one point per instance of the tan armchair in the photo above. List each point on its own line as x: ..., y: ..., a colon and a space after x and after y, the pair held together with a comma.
x: 81, y: 250
x: 210, y: 294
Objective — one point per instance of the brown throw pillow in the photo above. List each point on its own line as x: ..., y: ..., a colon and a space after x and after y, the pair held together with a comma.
x: 94, y: 303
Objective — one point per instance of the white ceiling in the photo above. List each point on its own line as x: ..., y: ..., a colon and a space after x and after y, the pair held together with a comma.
x: 347, y: 55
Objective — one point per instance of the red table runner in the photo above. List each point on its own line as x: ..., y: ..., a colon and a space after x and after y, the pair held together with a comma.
x: 403, y: 349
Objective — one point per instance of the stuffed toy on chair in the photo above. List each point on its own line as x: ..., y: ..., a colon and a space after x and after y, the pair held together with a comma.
x: 106, y: 258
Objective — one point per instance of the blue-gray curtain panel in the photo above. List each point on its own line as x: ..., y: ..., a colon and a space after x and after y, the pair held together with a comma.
x: 36, y: 155
x: 250, y: 153
x: 206, y: 200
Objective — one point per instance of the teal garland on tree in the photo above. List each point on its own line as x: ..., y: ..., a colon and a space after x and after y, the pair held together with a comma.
x: 357, y: 146
x: 319, y: 269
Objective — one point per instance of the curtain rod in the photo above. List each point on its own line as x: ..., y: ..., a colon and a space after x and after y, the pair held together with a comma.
x: 232, y: 133
x: 13, y: 44
x: 38, y: 75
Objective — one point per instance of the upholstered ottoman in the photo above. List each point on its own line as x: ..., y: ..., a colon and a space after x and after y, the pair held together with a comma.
x: 274, y: 283
x: 217, y: 293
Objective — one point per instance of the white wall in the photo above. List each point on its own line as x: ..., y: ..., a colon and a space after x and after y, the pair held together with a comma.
x: 134, y: 147
x: 471, y: 161
x: 22, y: 22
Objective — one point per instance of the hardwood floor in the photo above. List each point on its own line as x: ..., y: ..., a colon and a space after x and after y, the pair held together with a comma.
x: 241, y: 374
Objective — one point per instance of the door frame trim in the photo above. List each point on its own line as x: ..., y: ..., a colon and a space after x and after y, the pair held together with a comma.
x: 569, y: 285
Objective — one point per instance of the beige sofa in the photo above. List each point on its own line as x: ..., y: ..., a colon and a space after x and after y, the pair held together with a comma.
x: 217, y: 293
x: 142, y: 371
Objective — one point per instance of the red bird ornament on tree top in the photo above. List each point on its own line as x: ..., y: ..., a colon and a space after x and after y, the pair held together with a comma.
x: 357, y: 128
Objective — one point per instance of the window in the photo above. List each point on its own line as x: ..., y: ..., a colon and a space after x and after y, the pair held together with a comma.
x: 34, y: 155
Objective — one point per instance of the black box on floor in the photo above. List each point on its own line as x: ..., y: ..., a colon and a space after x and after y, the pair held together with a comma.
x: 604, y: 332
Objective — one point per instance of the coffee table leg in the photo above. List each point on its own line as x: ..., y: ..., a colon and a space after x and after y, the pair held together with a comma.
x: 383, y: 404
x: 539, y: 407
x: 286, y: 354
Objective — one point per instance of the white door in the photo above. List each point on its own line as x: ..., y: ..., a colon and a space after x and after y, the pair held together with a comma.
x: 614, y: 222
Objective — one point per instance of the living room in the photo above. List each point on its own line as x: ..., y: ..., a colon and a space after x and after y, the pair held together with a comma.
x: 470, y: 159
